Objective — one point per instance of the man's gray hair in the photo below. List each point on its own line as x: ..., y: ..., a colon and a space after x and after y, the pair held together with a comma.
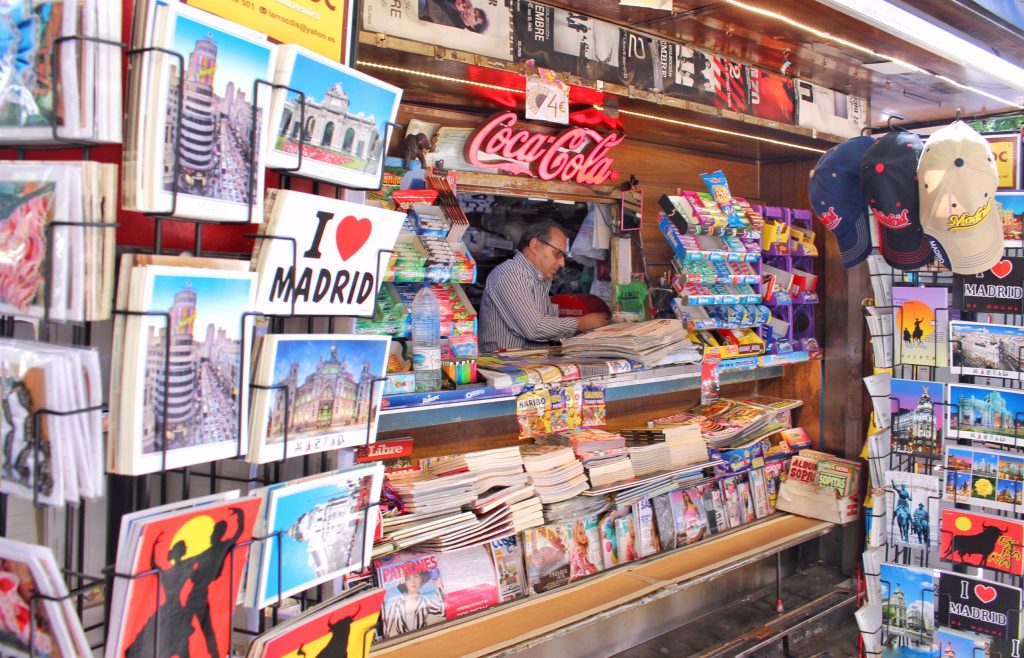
x: 542, y: 231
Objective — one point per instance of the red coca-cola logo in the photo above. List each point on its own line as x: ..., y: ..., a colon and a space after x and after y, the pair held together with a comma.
x: 579, y: 154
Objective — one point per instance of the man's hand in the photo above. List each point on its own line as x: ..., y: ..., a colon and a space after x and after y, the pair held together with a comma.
x: 591, y: 321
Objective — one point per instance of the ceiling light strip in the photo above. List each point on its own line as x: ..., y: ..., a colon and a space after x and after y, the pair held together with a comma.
x: 720, y: 131
x: 435, y: 76
x: 831, y: 37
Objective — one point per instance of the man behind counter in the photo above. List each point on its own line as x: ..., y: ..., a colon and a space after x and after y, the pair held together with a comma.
x: 516, y: 311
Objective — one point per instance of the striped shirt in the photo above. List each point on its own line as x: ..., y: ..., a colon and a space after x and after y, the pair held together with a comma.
x: 516, y: 311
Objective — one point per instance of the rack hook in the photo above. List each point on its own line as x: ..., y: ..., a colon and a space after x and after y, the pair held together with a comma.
x: 888, y: 122
x: 958, y: 114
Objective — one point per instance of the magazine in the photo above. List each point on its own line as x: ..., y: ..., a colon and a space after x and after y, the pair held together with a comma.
x: 547, y: 552
x: 414, y: 595
x: 912, y: 512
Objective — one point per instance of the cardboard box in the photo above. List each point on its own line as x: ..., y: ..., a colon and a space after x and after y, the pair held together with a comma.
x: 816, y: 502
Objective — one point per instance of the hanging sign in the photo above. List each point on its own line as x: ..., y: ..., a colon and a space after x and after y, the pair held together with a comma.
x: 547, y: 98
x: 578, y: 155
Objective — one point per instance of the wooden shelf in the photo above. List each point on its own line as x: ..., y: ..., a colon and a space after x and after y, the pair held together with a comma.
x: 595, y: 599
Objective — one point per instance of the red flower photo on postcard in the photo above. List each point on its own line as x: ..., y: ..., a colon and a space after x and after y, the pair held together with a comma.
x: 992, y: 542
x: 185, y: 607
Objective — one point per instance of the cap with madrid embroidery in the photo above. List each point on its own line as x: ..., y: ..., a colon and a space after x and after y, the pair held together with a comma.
x: 957, y: 179
x: 888, y: 180
x: 835, y: 196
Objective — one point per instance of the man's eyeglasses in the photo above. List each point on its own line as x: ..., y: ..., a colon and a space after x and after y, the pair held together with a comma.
x: 559, y: 254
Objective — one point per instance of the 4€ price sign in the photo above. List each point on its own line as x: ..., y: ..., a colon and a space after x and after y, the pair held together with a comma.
x: 547, y: 98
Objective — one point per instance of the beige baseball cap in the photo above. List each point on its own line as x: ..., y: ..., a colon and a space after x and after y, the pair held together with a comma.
x: 957, y: 180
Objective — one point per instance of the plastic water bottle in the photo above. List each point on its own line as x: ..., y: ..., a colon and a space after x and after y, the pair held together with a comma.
x: 426, y: 340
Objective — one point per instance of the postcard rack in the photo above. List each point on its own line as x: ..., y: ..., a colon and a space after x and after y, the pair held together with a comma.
x: 126, y: 494
x: 914, y: 461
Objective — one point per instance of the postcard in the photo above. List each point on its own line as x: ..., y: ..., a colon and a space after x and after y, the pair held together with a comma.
x: 977, y: 605
x: 26, y: 570
x: 327, y: 256
x: 342, y: 627
x: 193, y: 561
x: 908, y: 603
x: 339, y: 116
x: 322, y: 531
x: 918, y: 414
x: 997, y: 290
x: 912, y: 511
x: 327, y: 393
x: 922, y: 315
x: 193, y: 414
x: 989, y: 350
x: 981, y: 413
x: 986, y: 478
x: 220, y: 157
x: 1011, y: 207
x: 958, y: 644
x: 991, y: 542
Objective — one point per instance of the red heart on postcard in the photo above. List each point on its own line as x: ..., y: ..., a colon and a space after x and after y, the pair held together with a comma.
x: 986, y: 593
x: 351, y: 235
x: 1002, y: 268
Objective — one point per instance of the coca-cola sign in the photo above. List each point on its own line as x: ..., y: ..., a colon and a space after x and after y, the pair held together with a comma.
x: 579, y: 155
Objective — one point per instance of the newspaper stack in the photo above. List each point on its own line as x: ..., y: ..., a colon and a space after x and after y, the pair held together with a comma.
x: 576, y: 508
x: 684, y: 440
x: 501, y: 467
x: 527, y: 514
x: 650, y: 343
x: 553, y: 471
x: 648, y: 458
x: 423, y: 493
x: 609, y: 471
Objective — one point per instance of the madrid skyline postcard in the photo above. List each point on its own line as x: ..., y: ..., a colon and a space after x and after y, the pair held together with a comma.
x: 193, y: 412
x: 984, y: 349
x: 981, y: 413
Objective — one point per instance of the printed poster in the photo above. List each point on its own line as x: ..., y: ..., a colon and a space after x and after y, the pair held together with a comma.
x: 1006, y: 149
x: 323, y: 26
x: 998, y: 290
x: 976, y: 605
x: 984, y: 477
x: 685, y: 72
x: 922, y: 316
x: 482, y: 27
x: 772, y: 96
x: 990, y: 542
x: 833, y: 112
x: 986, y: 350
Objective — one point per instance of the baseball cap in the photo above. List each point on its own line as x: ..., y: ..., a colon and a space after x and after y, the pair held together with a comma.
x: 888, y: 180
x: 835, y: 196
x: 957, y: 180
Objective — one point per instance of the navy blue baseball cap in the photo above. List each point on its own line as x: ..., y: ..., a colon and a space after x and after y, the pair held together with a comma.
x: 888, y: 179
x: 836, y: 198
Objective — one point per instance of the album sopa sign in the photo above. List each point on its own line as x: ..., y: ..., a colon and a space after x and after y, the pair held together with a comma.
x: 326, y: 256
